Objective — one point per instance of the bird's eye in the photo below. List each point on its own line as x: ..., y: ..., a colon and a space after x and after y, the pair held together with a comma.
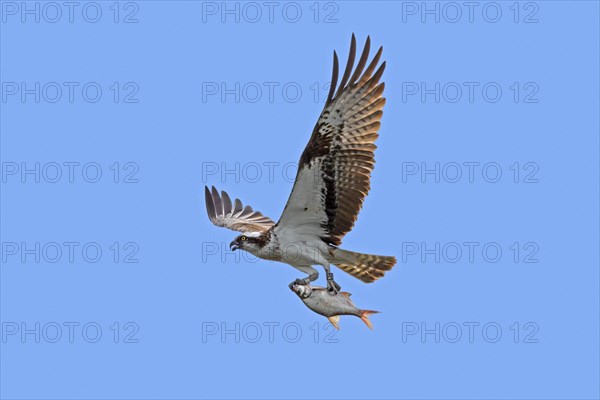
x: 243, y: 238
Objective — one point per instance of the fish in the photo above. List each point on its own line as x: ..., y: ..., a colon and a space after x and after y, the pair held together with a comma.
x: 330, y: 305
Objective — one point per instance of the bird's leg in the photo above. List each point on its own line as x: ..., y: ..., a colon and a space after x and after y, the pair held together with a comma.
x: 332, y: 285
x: 305, y: 281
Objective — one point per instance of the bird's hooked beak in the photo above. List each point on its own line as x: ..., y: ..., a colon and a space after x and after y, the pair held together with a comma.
x: 234, y: 246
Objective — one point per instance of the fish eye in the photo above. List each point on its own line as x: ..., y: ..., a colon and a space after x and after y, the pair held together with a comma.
x: 243, y: 238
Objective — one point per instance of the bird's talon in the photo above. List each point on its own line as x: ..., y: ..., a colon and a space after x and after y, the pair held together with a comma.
x: 333, y: 287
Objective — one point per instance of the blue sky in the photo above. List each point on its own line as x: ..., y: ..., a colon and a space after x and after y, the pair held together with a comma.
x: 114, y: 284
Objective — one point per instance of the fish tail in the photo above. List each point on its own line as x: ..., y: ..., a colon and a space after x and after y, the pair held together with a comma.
x: 364, y: 315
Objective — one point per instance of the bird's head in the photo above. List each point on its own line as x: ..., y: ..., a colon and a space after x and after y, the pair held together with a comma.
x: 246, y: 241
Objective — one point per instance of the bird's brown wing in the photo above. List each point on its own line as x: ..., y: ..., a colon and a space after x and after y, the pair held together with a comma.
x: 222, y: 212
x: 334, y: 171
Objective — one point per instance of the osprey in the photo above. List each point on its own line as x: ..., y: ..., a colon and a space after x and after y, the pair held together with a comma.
x: 331, y: 184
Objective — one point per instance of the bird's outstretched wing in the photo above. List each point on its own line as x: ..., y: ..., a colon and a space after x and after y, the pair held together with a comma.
x: 334, y: 171
x: 234, y: 216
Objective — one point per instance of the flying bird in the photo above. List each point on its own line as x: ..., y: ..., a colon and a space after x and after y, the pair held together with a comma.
x: 331, y: 184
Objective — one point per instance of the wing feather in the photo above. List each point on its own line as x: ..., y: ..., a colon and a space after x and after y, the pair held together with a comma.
x: 227, y: 206
x: 334, y: 171
x: 349, y: 65
x: 222, y: 212
x: 238, y: 208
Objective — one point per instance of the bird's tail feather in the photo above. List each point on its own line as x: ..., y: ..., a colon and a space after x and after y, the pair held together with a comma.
x: 366, y: 267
